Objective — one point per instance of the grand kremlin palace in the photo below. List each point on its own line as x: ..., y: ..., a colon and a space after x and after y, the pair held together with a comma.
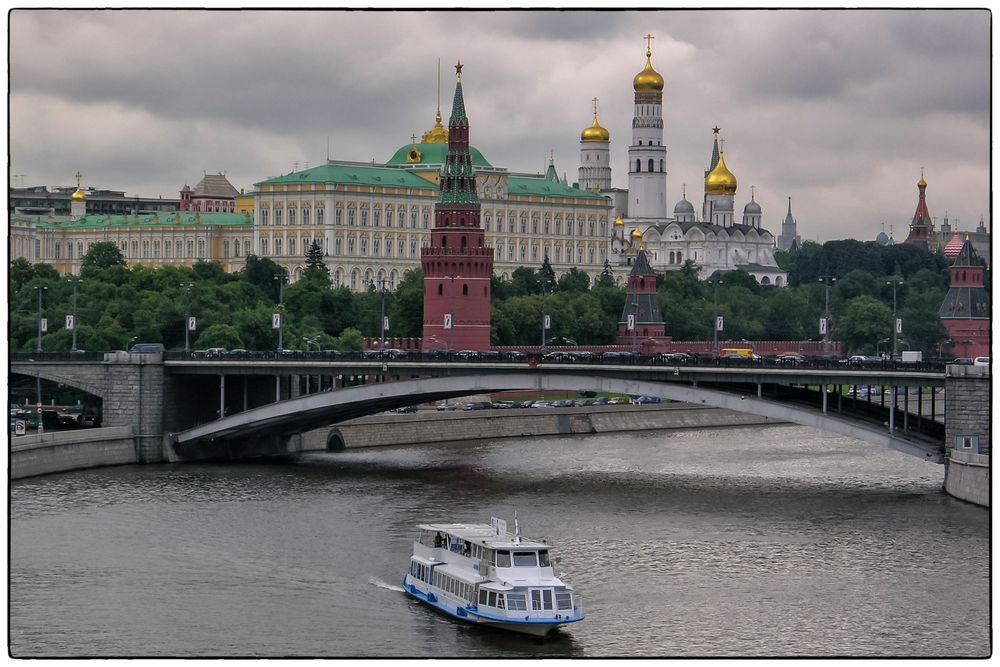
x: 370, y: 220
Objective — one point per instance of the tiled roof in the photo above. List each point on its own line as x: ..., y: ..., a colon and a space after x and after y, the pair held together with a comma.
x: 215, y: 185
x: 153, y: 220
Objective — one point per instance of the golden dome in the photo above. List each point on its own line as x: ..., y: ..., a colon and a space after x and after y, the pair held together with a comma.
x: 921, y: 183
x: 720, y: 181
x: 595, y: 132
x: 78, y: 195
x: 437, y: 134
x: 636, y: 234
x: 648, y: 80
x: 619, y: 222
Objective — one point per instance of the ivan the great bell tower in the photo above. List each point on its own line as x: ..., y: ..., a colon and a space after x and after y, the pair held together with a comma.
x: 458, y: 265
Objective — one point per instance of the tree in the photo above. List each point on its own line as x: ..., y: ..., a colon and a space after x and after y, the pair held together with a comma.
x: 260, y: 271
x: 862, y: 324
x: 523, y: 281
x: 406, y: 311
x: 315, y: 267
x: 102, y: 255
x: 607, y: 278
x: 219, y: 335
x: 547, y: 282
x: 21, y: 273
x: 350, y: 341
x: 574, y: 280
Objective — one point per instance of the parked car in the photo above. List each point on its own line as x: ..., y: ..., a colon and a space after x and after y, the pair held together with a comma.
x: 981, y: 361
x: 961, y: 361
x: 603, y: 400
x: 517, y: 356
x: 541, y: 404
x: 505, y: 405
x: 406, y: 409
x: 617, y: 400
x: 147, y: 348
x: 674, y: 358
x: 216, y: 352
x: 477, y: 405
x: 790, y: 359
x: 555, y: 356
x: 581, y: 356
x: 616, y: 357
x: 582, y: 402
x: 526, y: 404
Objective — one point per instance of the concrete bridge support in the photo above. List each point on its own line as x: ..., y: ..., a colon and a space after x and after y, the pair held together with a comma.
x: 967, y: 433
x: 134, y: 389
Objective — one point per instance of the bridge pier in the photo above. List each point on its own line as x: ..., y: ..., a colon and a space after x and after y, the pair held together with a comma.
x: 134, y: 396
x: 967, y: 433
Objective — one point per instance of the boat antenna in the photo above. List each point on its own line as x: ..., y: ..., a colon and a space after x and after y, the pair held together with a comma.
x: 517, y: 529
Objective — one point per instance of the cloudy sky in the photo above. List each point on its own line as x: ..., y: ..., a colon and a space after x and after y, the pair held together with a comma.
x: 837, y: 109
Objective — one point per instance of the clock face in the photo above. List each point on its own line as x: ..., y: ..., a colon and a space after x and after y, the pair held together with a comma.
x: 414, y: 156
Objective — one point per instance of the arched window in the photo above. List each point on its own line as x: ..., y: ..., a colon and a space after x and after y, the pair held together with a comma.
x: 277, y: 246
x: 319, y: 215
x: 364, y: 216
x: 291, y: 246
x: 305, y: 215
x: 638, y: 164
x: 263, y: 216
x: 661, y: 165
x: 350, y: 216
x: 277, y: 216
x: 465, y: 289
x: 650, y: 164
x: 291, y: 216
x: 388, y: 217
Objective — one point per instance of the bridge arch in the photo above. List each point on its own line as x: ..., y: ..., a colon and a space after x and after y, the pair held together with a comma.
x: 70, y: 377
x: 322, y: 409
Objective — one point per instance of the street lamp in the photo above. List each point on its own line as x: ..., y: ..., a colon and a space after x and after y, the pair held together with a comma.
x: 280, y: 277
x: 894, y: 281
x: 41, y: 289
x: 381, y: 339
x: 453, y: 276
x: 74, y: 281
x: 827, y: 281
x: 635, y: 327
x: 187, y: 315
x: 715, y: 318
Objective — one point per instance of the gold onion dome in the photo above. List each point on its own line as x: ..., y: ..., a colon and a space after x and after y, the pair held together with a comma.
x: 921, y: 183
x: 595, y: 132
x: 78, y: 195
x: 437, y: 134
x: 720, y: 181
x: 619, y: 222
x: 636, y: 234
x: 648, y: 80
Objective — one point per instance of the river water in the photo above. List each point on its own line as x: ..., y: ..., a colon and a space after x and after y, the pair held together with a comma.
x: 761, y: 541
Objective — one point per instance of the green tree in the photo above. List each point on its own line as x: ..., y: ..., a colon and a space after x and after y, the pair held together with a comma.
x: 574, y: 280
x: 862, y: 324
x: 607, y: 277
x: 102, y: 255
x: 406, y: 311
x: 524, y: 281
x: 315, y: 267
x: 351, y: 340
x: 219, y: 335
x: 261, y: 271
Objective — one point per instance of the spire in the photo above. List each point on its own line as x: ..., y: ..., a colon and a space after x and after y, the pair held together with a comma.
x: 715, y: 151
x: 458, y: 116
x: 457, y: 181
x: 790, y: 219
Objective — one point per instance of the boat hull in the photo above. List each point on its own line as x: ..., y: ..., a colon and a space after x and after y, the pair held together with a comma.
x: 534, y: 628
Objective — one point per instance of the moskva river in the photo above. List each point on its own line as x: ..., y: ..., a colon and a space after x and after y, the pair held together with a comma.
x: 763, y: 541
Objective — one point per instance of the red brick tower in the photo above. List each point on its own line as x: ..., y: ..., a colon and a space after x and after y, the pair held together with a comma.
x: 922, y: 227
x: 965, y: 312
x: 458, y: 265
x: 640, y: 303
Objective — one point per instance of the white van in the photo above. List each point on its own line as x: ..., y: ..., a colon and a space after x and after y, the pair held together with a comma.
x: 981, y: 361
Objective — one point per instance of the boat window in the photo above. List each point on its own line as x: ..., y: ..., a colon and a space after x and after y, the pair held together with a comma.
x: 515, y: 602
x: 547, y: 599
x: 492, y: 600
x: 500, y: 602
x: 541, y: 598
x: 564, y: 600
x: 543, y: 558
x: 503, y: 559
x: 482, y: 596
x: 525, y: 559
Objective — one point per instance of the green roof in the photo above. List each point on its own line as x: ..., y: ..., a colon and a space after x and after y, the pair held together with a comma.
x: 539, y: 186
x: 353, y: 174
x: 146, y: 220
x: 432, y: 154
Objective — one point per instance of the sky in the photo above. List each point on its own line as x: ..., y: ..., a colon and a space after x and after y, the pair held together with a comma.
x: 837, y: 109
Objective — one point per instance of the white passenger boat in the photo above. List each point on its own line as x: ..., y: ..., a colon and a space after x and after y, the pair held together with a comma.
x: 481, y: 574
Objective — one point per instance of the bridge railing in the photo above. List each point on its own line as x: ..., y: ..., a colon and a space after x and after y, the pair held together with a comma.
x: 79, y: 355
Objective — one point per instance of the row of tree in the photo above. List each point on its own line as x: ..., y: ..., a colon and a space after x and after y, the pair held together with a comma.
x: 116, y: 306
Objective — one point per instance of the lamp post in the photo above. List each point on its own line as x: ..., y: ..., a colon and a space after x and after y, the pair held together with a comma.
x: 280, y: 277
x: 894, y: 281
x: 827, y: 281
x: 715, y: 318
x: 453, y: 276
x: 635, y: 327
x: 381, y: 340
x: 41, y: 289
x: 74, y: 281
x: 187, y: 316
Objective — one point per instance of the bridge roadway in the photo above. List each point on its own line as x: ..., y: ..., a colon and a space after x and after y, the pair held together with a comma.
x: 776, y: 392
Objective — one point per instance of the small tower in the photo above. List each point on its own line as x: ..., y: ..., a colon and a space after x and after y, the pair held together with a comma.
x: 641, y: 305
x: 595, y: 157
x: 78, y: 201
x: 965, y: 312
x: 684, y: 210
x: 922, y: 227
x: 458, y: 265
x: 751, y: 212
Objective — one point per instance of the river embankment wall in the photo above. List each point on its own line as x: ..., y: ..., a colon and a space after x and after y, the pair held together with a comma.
x: 439, y: 427
x: 968, y: 477
x: 60, y: 451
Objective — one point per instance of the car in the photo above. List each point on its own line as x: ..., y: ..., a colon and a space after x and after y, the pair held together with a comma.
x: 675, y: 357
x: 526, y: 404
x: 603, y: 400
x: 562, y: 403
x: 582, y: 402
x: 790, y: 359
x: 617, y: 400
x: 981, y: 361
x: 504, y: 405
x: 961, y: 361
x: 556, y: 356
x: 216, y: 352
x: 517, y: 356
x: 616, y: 357
x: 581, y: 356
x: 541, y: 404
x: 406, y: 409
x: 477, y: 405
x: 467, y: 354
x: 147, y: 348
x: 239, y: 350
x: 445, y: 405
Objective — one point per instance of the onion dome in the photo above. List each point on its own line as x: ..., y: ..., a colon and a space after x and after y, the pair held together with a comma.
x: 882, y: 238
x: 437, y: 134
x: 595, y: 132
x: 720, y: 181
x: 636, y: 234
x: 954, y: 246
x: 921, y: 183
x: 78, y: 195
x: 619, y: 222
x: 648, y: 80
x: 683, y: 207
x: 752, y: 208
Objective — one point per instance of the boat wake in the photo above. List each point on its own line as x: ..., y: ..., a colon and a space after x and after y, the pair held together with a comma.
x: 375, y: 581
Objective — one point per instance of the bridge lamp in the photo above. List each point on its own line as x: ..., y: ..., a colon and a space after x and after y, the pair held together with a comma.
x: 280, y: 277
x: 187, y: 315
x: 41, y: 323
x: 74, y: 281
x: 894, y: 281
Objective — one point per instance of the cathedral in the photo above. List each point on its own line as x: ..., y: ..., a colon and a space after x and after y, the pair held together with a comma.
x: 715, y: 240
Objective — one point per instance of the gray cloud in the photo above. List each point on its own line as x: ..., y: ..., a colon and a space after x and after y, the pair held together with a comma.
x: 837, y: 109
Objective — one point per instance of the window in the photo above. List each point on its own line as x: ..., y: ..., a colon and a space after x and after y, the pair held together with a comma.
x: 291, y: 216
x: 305, y: 215
x: 350, y: 216
x: 377, y: 217
x: 364, y: 216
x: 190, y: 248
x: 336, y: 247
x: 319, y: 215
x: 541, y: 599
x: 350, y: 246
x: 291, y: 246
x: 534, y: 224
x: 413, y: 218
x: 402, y: 247
x: 638, y: 165
x: 376, y: 247
x: 564, y: 600
x: 277, y: 216
x: 167, y: 249
x: 388, y: 217
x: 263, y: 216
x: 661, y: 164
x: 650, y: 164
x: 543, y: 558
x: 427, y: 218
x: 525, y: 559
x: 277, y: 246
x: 503, y: 559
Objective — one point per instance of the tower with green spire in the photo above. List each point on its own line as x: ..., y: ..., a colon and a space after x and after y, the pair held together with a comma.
x: 458, y: 265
